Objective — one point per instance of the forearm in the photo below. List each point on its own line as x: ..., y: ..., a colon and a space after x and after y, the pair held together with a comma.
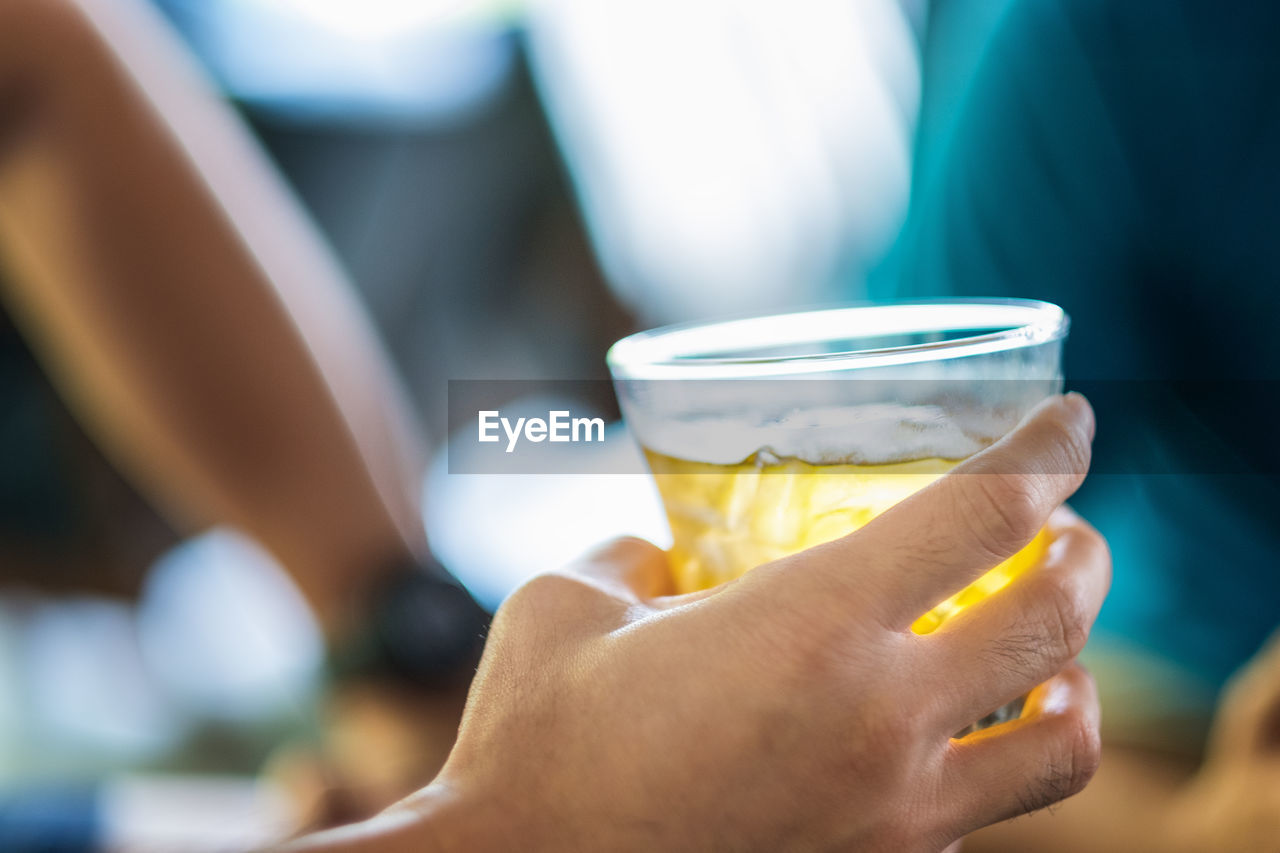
x: 184, y: 306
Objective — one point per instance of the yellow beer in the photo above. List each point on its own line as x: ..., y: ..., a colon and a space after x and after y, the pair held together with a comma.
x: 727, y: 519
x: 769, y: 435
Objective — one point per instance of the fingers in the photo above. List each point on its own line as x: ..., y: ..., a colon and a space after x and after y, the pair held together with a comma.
x: 1045, y: 756
x: 996, y: 650
x: 938, y: 540
x: 628, y: 568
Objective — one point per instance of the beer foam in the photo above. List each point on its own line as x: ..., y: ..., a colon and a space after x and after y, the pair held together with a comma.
x: 874, y: 434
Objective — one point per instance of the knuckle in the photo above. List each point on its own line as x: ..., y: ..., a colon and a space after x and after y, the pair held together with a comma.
x: 1020, y: 656
x: 1068, y: 618
x: 1082, y: 754
x: 548, y: 585
x: 895, y: 729
x: 1074, y: 759
x: 1053, y: 631
x: 808, y: 652
x: 622, y: 548
x: 896, y: 722
x: 1010, y: 513
x: 1070, y: 452
x: 548, y: 590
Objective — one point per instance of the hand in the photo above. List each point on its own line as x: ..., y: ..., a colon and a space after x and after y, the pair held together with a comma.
x: 793, y: 708
x: 1232, y: 805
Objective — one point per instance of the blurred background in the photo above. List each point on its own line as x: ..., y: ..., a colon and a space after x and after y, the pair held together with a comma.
x: 511, y: 187
x: 487, y: 172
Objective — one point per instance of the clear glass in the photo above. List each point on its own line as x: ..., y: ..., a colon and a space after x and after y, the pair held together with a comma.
x: 770, y: 435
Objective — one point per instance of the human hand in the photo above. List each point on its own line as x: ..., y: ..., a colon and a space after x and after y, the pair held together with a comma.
x: 1232, y: 805
x: 792, y: 708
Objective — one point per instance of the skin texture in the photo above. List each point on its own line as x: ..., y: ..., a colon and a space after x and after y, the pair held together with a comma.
x: 792, y: 709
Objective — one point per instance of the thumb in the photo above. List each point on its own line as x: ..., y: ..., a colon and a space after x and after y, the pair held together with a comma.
x: 629, y: 568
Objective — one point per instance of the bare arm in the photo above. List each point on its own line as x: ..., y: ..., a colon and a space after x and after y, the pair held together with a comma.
x: 185, y: 307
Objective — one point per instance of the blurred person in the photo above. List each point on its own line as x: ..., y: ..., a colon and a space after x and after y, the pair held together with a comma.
x: 1123, y: 161
x: 413, y: 135
x: 209, y: 342
x: 203, y: 333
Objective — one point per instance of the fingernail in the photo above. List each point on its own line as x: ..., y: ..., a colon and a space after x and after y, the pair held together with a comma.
x: 1083, y: 410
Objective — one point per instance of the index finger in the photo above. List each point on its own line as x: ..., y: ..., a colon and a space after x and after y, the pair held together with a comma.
x: 938, y: 540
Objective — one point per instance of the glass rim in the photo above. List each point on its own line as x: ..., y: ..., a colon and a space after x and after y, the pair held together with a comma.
x: 688, y: 350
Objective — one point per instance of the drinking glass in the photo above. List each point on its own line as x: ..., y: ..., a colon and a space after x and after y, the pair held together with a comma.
x: 770, y: 435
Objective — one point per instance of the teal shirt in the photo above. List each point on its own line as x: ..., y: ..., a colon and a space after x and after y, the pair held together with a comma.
x: 1123, y: 160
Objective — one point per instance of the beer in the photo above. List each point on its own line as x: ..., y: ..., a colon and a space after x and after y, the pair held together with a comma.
x: 770, y: 435
x: 727, y: 519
